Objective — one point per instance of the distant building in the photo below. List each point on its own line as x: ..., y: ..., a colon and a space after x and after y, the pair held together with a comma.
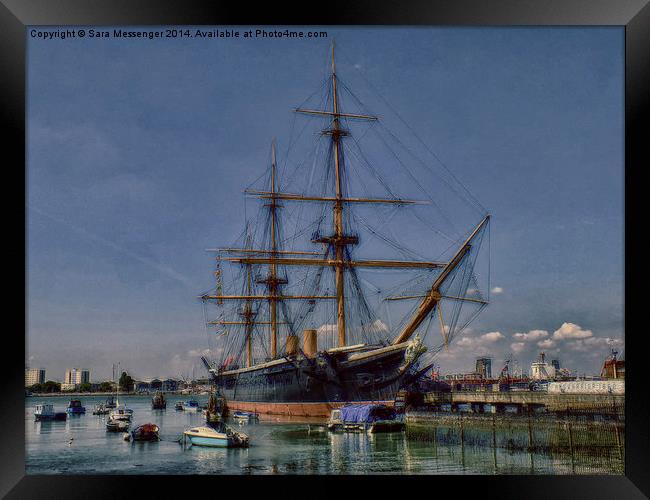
x: 68, y: 387
x: 484, y: 367
x: 555, y: 363
x: 170, y: 385
x: 613, y: 368
x: 34, y: 376
x: 75, y: 376
x: 141, y: 386
x: 541, y: 370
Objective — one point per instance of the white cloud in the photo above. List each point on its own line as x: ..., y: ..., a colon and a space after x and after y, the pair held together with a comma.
x: 571, y: 331
x: 590, y: 343
x: 531, y: 335
x: 497, y: 289
x: 480, y: 341
x: 466, y: 342
x: 492, y: 337
x: 546, y: 344
x: 517, y: 347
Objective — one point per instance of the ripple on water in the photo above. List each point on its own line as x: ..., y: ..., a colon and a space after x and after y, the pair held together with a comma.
x: 82, y: 446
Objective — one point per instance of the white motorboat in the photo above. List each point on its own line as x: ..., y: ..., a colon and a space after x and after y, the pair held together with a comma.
x: 207, y: 436
x: 113, y: 425
x: 121, y: 412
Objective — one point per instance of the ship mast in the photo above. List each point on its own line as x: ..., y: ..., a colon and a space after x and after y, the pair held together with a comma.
x: 272, y: 279
x: 248, y: 315
x: 338, y: 241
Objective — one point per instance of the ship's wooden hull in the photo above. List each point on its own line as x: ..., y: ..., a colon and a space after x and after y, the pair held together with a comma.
x: 305, y: 387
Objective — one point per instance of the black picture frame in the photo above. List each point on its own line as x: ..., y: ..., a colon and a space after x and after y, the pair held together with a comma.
x: 634, y: 15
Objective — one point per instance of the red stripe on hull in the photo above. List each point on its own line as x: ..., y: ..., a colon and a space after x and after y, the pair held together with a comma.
x: 323, y: 409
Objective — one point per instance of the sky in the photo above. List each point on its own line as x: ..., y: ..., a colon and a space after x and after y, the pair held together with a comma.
x: 138, y: 151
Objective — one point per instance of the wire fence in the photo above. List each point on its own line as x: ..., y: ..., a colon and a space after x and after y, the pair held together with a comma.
x: 589, y: 440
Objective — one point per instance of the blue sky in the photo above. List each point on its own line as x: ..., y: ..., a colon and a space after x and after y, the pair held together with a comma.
x: 138, y: 151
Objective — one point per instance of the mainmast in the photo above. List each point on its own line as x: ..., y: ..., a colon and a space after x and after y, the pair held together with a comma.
x: 338, y: 241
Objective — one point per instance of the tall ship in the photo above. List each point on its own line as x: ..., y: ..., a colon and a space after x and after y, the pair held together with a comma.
x: 297, y: 323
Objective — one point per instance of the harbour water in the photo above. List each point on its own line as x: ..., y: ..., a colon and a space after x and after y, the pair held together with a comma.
x: 279, y: 445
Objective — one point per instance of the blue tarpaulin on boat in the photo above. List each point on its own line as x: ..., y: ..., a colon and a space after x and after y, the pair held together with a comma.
x: 366, y: 413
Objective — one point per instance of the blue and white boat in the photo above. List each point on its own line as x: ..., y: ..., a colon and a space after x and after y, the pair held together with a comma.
x: 206, y: 436
x: 365, y: 418
x: 75, y: 407
x: 44, y: 412
x: 191, y: 405
x: 245, y: 416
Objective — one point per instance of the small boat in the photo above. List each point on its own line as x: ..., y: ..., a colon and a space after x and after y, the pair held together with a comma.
x: 223, y: 438
x: 216, y: 409
x: 365, y: 418
x: 146, y: 432
x: 245, y: 416
x: 45, y: 412
x: 75, y: 407
x: 121, y: 412
x: 110, y: 403
x: 210, y: 417
x: 178, y: 405
x: 158, y: 402
x: 100, y: 409
x: 191, y: 405
x: 113, y: 425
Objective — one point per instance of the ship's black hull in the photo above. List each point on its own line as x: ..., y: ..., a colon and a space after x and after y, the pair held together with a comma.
x: 312, y: 387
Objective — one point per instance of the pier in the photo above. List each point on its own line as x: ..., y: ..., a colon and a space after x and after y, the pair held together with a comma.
x: 525, y: 401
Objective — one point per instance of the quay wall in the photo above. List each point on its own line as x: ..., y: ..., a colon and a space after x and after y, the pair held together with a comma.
x: 551, y: 402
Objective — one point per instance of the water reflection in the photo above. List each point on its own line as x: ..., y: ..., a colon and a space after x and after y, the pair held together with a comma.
x: 285, y: 445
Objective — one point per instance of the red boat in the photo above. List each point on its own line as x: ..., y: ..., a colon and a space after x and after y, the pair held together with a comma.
x: 146, y: 432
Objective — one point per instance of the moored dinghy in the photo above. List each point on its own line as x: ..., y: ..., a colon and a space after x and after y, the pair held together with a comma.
x: 146, y: 432
x: 191, y: 405
x: 245, y: 416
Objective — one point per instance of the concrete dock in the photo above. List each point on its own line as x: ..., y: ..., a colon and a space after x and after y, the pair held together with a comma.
x: 527, y: 400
